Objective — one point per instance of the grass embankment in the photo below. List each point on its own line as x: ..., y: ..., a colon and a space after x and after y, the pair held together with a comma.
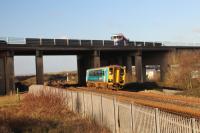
x: 42, y: 114
x: 6, y: 101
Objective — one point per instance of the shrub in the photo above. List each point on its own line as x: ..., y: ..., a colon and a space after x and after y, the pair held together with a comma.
x: 44, y: 113
x: 184, y: 70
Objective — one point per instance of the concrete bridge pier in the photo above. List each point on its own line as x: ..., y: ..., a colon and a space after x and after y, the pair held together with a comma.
x: 139, y: 67
x: 10, y: 76
x: 39, y: 67
x: 2, y: 75
x: 96, y: 59
x: 83, y: 63
x: 80, y: 69
x: 128, y: 65
x: 163, y: 68
x: 7, y: 86
x: 144, y: 73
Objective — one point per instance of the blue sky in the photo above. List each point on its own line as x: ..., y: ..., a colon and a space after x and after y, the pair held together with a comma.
x: 147, y: 20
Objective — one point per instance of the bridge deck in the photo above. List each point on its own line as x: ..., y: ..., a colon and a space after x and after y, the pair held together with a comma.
x: 28, y: 46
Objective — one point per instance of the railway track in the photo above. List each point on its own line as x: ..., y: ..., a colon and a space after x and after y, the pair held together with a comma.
x: 177, y: 104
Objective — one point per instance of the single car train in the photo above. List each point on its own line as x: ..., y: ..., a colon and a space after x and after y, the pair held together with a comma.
x: 106, y: 77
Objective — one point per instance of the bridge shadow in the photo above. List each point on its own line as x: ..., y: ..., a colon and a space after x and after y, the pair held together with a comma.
x: 70, y: 85
x: 21, y: 87
x: 136, y: 86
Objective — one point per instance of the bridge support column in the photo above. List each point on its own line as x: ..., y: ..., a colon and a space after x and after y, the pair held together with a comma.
x: 82, y: 65
x: 39, y: 67
x: 129, y: 74
x: 2, y: 75
x: 96, y: 59
x: 163, y: 69
x: 139, y: 67
x: 144, y: 73
x: 7, y: 86
x: 10, y: 79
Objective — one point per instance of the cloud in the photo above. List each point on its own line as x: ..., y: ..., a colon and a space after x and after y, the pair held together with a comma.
x: 196, y: 30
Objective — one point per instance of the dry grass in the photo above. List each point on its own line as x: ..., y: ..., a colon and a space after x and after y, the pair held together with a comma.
x: 44, y: 114
x: 184, y: 71
x: 10, y: 100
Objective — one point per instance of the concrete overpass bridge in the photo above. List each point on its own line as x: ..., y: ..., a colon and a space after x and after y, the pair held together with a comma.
x: 90, y: 53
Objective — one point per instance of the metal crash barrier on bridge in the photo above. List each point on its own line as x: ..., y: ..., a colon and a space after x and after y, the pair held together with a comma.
x: 119, y: 116
x: 76, y: 42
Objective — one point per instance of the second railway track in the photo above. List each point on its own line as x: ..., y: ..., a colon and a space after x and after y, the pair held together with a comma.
x: 178, y: 104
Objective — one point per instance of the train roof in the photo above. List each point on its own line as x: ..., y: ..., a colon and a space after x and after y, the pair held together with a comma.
x: 105, y: 67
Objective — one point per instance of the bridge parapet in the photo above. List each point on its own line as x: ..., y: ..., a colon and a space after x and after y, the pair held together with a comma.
x: 76, y: 42
x: 13, y: 40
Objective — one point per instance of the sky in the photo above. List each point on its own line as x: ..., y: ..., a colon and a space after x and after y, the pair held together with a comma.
x: 145, y: 20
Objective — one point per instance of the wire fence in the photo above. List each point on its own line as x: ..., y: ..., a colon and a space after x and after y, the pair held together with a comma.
x: 123, y: 117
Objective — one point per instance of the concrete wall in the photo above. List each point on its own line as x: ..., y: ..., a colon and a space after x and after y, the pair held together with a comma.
x: 122, y: 117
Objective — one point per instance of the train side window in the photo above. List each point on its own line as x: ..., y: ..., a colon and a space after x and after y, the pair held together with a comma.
x: 99, y: 72
x: 102, y: 72
x: 95, y: 73
x: 91, y: 73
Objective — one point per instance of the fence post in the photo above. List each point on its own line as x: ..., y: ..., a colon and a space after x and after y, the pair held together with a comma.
x: 157, y: 120
x: 77, y: 103
x: 72, y: 101
x: 84, y: 104
x: 115, y: 118
x: 18, y: 95
x: 193, y: 125
x: 132, y: 116
x: 101, y: 110
x: 92, y: 105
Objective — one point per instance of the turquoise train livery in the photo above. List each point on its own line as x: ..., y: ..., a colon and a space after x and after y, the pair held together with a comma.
x: 106, y: 77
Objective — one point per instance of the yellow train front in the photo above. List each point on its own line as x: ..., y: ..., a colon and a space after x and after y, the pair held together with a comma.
x: 106, y: 77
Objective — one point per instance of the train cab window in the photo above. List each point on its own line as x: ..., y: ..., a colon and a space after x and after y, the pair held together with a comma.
x: 121, y: 71
x: 111, y: 71
x: 96, y: 73
x: 91, y: 73
x: 99, y: 73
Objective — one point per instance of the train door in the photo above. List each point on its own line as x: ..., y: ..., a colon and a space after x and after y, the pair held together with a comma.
x: 2, y: 79
x: 122, y: 75
x: 110, y: 76
x: 116, y: 75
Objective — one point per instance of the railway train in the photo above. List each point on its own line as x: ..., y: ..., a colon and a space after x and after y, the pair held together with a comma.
x: 112, y: 77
